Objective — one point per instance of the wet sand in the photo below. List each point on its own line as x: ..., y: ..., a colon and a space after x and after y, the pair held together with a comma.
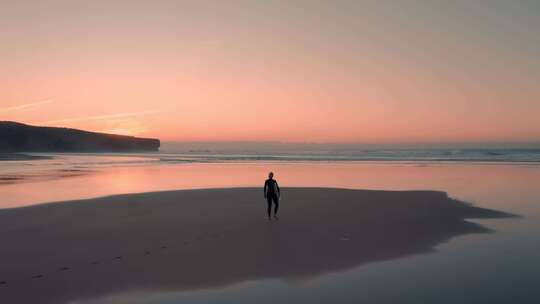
x: 193, y: 239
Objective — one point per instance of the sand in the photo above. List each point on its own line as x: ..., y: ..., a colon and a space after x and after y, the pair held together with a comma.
x: 193, y: 239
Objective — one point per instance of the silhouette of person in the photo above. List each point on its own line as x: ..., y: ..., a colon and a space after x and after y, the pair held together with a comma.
x: 272, y: 193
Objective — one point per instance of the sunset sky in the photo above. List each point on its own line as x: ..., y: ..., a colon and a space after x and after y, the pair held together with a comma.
x: 291, y: 71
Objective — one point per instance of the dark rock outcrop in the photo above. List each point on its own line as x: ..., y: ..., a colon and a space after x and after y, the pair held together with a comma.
x: 17, y: 137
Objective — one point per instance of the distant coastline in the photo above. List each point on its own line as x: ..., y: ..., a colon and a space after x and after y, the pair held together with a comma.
x: 21, y: 156
x: 18, y: 137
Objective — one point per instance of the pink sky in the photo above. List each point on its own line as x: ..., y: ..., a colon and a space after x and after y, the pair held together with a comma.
x: 316, y: 72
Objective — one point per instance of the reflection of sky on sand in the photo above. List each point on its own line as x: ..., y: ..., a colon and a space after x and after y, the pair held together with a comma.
x: 481, y: 268
x: 73, y: 177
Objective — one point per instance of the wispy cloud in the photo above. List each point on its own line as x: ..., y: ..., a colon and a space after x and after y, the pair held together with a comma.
x: 27, y: 105
x: 101, y: 117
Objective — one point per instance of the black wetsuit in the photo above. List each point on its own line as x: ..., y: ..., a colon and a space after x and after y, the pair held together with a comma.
x: 271, y: 192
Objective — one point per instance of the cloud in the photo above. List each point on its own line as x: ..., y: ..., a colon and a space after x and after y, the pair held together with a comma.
x: 102, y: 117
x: 27, y: 105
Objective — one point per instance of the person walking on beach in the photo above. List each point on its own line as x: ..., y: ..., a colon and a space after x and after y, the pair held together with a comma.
x: 272, y: 193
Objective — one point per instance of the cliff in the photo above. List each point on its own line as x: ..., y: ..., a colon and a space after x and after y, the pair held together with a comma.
x: 17, y: 137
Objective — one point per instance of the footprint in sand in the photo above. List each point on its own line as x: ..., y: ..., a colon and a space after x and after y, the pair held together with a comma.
x: 37, y: 276
x: 345, y: 237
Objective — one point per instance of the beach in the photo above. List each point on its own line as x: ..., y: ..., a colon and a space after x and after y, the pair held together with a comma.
x: 139, y: 229
x: 200, y: 239
x: 143, y: 143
